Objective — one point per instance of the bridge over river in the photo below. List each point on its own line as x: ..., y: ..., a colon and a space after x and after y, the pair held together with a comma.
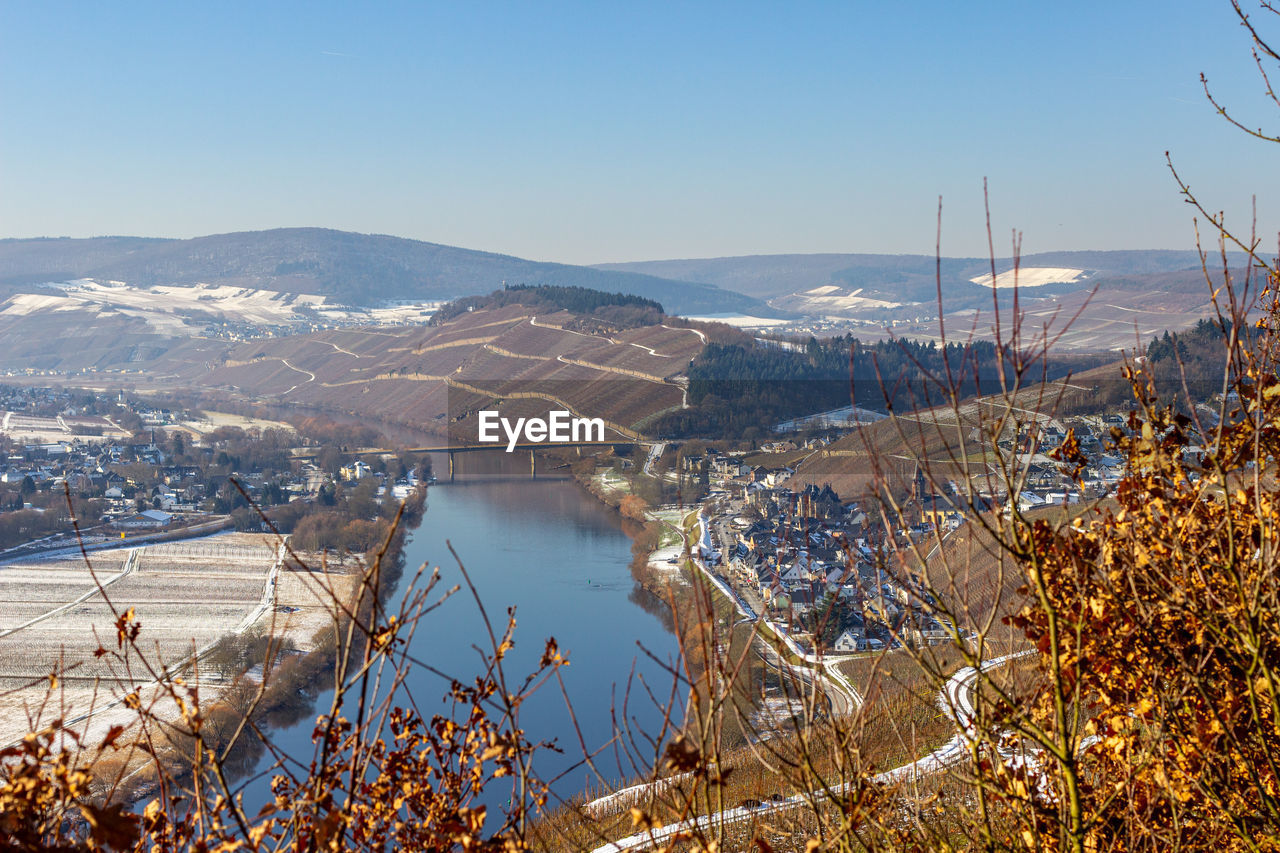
x: 507, y: 460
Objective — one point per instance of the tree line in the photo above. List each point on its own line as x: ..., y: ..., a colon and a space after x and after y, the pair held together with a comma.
x: 736, y: 389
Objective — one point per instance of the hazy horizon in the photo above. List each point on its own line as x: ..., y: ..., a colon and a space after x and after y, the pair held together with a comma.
x: 594, y: 263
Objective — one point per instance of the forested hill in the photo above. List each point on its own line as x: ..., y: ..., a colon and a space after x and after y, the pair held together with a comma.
x: 354, y: 269
x: 740, y: 389
x: 618, y: 310
x: 1190, y: 361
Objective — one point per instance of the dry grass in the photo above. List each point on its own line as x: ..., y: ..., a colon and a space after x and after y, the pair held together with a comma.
x: 898, y: 729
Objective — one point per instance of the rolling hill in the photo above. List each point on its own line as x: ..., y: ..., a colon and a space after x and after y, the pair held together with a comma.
x: 429, y: 379
x: 353, y: 269
x: 1117, y: 298
x: 908, y: 277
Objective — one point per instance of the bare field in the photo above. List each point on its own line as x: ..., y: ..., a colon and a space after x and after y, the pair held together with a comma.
x: 214, y: 420
x: 55, y: 615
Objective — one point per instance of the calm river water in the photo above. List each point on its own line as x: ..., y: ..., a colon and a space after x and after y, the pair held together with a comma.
x: 561, y: 559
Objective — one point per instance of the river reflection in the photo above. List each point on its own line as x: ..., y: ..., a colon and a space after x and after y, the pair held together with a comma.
x: 562, y: 560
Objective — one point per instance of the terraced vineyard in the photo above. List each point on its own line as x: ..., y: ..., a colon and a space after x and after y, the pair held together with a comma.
x: 417, y: 376
x: 58, y: 613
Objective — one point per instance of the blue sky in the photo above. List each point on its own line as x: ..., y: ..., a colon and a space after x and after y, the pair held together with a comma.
x: 592, y: 132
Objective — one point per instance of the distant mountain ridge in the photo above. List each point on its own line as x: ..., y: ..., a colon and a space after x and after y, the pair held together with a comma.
x: 910, y: 276
x: 1084, y: 300
x: 355, y: 269
x: 769, y: 276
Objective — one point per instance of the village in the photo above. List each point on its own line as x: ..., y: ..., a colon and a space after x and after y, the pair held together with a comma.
x: 826, y: 570
x: 212, y: 530
x: 133, y: 470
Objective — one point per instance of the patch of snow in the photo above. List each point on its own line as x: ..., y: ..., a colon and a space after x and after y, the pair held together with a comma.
x: 1033, y: 277
x: 174, y: 309
x: 741, y: 321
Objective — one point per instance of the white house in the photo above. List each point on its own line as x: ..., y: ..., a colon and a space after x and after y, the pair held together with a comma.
x: 777, y: 476
x: 856, y: 640
x: 1029, y: 500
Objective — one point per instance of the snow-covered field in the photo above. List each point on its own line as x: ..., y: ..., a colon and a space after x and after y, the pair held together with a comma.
x: 174, y: 310
x: 213, y: 420
x: 1033, y: 277
x: 392, y: 315
x: 29, y: 428
x: 742, y: 321
x: 846, y: 417
x: 830, y: 297
x: 833, y: 300
x: 166, y: 308
x: 610, y: 483
x: 187, y: 595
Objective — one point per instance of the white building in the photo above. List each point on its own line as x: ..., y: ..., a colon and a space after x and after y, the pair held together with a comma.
x: 150, y: 518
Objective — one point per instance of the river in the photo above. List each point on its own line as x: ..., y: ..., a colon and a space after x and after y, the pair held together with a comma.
x: 562, y: 560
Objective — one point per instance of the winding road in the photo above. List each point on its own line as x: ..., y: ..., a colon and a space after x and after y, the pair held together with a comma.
x: 311, y: 377
x: 701, y: 335
x: 955, y: 699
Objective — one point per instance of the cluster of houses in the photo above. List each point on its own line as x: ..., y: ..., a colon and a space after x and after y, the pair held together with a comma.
x: 1044, y: 483
x: 809, y: 560
x: 733, y: 468
x: 173, y: 493
x: 23, y: 398
x: 90, y: 469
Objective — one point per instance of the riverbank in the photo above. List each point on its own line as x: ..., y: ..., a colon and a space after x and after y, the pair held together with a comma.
x: 264, y: 676
x: 668, y: 560
x: 706, y: 628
